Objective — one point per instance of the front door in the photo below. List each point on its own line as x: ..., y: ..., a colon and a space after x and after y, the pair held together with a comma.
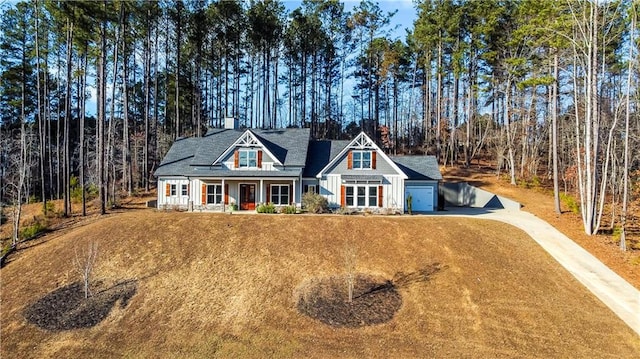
x: 248, y: 197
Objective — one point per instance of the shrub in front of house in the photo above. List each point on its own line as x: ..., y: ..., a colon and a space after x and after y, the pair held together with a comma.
x: 314, y: 203
x: 288, y: 210
x: 266, y: 208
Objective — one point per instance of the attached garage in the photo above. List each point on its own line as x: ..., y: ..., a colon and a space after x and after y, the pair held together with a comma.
x: 422, y: 198
x: 422, y: 182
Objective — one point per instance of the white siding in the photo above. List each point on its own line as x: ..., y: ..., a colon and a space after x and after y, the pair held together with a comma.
x: 392, y: 191
x: 177, y: 200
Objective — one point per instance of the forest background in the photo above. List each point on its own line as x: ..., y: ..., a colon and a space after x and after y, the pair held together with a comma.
x: 93, y: 93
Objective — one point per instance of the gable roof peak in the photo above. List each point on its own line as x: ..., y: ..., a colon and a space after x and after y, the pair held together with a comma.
x: 362, y: 140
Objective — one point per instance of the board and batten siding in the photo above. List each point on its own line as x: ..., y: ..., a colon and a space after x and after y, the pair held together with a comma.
x: 164, y: 192
x: 392, y: 190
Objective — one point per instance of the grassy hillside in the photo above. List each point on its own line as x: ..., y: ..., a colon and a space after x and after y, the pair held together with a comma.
x: 228, y: 285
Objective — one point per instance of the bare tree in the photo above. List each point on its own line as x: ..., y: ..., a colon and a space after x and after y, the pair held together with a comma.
x: 16, y: 188
x: 625, y: 176
x: 84, y: 263
x: 350, y: 254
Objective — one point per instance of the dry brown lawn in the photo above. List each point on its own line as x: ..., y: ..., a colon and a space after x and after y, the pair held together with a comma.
x: 219, y: 285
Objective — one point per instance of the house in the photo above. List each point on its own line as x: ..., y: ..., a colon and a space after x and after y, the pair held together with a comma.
x: 243, y: 168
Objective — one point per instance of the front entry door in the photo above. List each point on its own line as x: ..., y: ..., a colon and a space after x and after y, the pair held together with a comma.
x: 248, y: 197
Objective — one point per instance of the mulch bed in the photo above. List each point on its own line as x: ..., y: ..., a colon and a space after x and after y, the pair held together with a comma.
x: 375, y: 301
x: 66, y: 308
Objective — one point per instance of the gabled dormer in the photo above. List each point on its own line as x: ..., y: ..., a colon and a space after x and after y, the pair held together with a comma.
x: 247, y: 153
x: 363, y: 157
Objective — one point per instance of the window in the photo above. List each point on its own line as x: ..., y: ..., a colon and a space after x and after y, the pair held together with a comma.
x: 214, y: 194
x: 185, y: 189
x: 349, y: 195
x: 174, y: 190
x: 311, y: 188
x: 361, y: 159
x: 280, y: 194
x: 361, y: 196
x: 373, y: 196
x: 247, y: 158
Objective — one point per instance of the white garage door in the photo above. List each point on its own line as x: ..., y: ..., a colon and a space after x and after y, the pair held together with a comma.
x: 421, y: 198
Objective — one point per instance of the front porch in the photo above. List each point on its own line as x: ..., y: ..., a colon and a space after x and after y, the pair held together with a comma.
x: 245, y: 194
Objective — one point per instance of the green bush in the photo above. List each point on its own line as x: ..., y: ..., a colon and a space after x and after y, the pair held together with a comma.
x: 289, y: 210
x: 314, y: 203
x: 266, y: 208
x: 33, y: 230
x: 410, y: 204
x: 536, y: 182
x: 49, y: 209
x: 570, y: 203
x: 6, y: 248
x: 90, y: 192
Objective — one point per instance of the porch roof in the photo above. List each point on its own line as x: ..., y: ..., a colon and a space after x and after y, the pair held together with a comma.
x: 235, y: 174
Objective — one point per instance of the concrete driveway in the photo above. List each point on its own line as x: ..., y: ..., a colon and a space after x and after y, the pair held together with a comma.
x: 616, y: 293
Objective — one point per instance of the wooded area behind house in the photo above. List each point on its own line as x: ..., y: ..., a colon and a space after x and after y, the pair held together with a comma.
x: 546, y: 90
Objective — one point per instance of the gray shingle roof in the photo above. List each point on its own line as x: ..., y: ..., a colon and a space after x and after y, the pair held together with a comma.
x: 320, y: 153
x: 418, y: 167
x: 177, y: 160
x: 289, y: 146
x: 292, y: 147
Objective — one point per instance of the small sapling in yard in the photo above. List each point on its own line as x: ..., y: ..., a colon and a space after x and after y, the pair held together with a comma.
x: 350, y: 268
x: 84, y: 262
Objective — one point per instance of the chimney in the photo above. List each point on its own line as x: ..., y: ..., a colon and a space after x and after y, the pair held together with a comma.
x: 231, y: 123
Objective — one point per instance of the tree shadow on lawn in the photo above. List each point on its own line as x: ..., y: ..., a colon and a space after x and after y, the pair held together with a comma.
x: 66, y: 308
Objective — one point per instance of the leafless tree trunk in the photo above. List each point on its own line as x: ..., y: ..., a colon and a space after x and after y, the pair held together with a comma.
x: 585, y: 48
x: 101, y: 81
x: 625, y: 175
x: 41, y: 131
x: 83, y: 100
x: 147, y: 103
x: 126, y: 146
x: 554, y: 134
x: 66, y: 171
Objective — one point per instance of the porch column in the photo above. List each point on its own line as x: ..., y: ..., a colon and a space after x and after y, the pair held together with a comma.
x: 224, y: 205
x: 293, y: 195
x: 261, y: 185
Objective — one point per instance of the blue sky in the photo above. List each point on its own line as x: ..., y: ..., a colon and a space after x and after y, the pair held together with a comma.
x: 402, y: 20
